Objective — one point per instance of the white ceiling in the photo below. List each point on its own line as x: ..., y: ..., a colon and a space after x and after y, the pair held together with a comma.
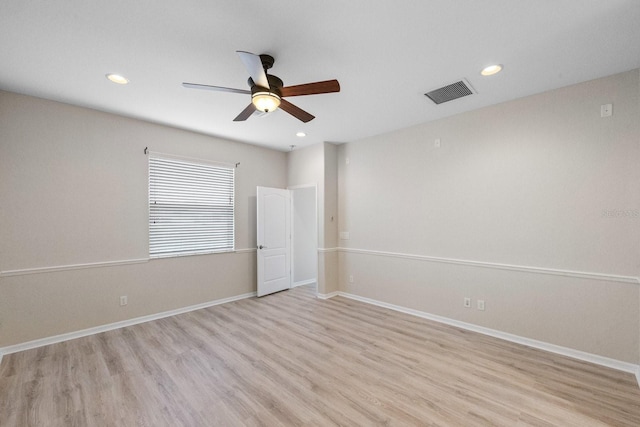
x: 385, y: 54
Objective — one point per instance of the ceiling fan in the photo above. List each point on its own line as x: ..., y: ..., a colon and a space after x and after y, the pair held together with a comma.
x: 267, y: 91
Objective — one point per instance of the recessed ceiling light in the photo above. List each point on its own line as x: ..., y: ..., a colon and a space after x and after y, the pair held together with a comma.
x: 301, y: 134
x: 491, y: 70
x: 117, y: 78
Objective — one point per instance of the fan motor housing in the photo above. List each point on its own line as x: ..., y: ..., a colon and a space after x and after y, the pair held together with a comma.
x: 275, y: 84
x: 267, y: 61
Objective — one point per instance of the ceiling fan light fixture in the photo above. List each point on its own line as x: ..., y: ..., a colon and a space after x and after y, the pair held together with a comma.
x: 265, y: 101
x: 268, y: 91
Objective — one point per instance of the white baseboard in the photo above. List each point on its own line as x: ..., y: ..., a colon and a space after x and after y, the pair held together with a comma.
x: 327, y: 296
x: 303, y: 283
x: 552, y: 348
x: 111, y: 326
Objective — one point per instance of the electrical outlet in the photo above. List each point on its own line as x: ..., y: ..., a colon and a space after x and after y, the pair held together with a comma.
x: 467, y: 302
x: 606, y: 110
x: 481, y: 304
x: 123, y: 300
x: 351, y: 278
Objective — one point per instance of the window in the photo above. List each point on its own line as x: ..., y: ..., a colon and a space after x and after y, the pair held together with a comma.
x: 190, y: 207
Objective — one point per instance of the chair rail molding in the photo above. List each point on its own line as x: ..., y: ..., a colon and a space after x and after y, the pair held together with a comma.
x: 498, y: 266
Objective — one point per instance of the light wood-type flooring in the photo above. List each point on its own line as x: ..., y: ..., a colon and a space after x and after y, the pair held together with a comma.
x: 292, y: 359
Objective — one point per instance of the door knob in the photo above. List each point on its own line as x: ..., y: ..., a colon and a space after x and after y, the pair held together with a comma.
x: 262, y: 247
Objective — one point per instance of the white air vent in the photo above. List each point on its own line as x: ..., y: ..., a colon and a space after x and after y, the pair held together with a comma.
x: 450, y: 92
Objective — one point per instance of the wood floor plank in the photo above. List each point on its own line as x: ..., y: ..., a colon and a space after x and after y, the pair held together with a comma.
x: 291, y: 359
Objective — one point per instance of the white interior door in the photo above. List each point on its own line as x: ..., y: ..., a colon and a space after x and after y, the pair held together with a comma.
x: 274, y: 240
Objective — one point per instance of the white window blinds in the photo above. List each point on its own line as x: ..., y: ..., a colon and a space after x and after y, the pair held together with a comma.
x: 190, y: 207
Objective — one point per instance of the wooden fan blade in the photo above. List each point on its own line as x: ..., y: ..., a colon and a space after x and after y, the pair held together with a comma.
x: 296, y: 112
x: 253, y: 64
x: 216, y: 88
x: 316, y: 88
x: 245, y: 113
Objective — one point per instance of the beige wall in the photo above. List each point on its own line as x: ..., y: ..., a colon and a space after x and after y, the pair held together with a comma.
x: 523, y: 183
x: 73, y: 190
x: 330, y: 195
x: 331, y: 217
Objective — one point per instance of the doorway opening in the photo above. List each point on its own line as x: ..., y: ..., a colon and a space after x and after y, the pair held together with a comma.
x: 304, y: 233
